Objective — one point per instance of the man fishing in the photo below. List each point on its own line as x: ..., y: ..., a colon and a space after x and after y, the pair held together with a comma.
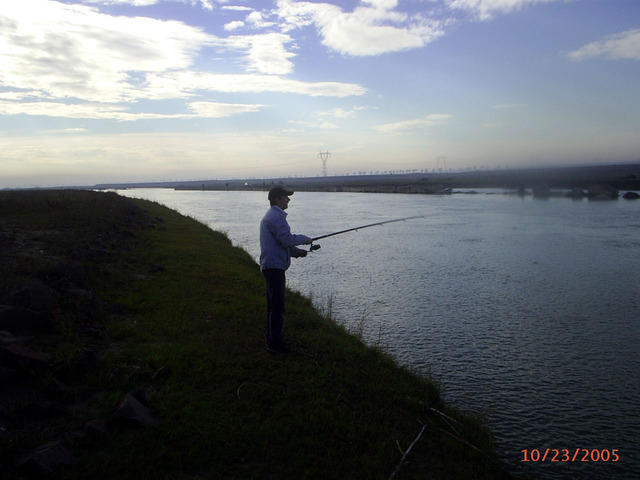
x: 277, y: 246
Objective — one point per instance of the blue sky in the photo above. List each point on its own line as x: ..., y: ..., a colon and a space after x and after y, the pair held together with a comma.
x: 96, y: 91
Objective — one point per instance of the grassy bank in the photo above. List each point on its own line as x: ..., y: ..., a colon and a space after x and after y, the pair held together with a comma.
x: 143, y: 298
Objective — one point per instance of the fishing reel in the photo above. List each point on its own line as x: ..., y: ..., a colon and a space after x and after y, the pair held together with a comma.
x: 313, y: 247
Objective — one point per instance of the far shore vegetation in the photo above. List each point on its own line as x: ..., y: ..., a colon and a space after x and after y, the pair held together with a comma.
x: 111, y: 303
x: 583, y: 180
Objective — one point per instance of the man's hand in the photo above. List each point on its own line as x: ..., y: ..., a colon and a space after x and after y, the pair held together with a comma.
x: 308, y: 241
x: 303, y: 253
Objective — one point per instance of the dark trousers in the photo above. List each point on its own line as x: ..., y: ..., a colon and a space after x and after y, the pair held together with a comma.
x: 275, y: 305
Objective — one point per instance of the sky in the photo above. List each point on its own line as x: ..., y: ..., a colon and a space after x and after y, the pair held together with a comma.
x: 102, y: 91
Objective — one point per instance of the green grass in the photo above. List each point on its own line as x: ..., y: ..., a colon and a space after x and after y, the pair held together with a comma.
x: 191, y: 329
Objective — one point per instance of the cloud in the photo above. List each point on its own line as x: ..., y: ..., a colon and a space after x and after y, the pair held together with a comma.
x: 86, y: 158
x: 63, y: 110
x: 236, y: 8
x: 265, y: 53
x: 74, y: 51
x: 321, y: 125
x: 188, y: 83
x: 74, y: 61
x: 120, y: 113
x: 255, y: 19
x: 70, y: 131
x: 428, y: 121
x: 206, y: 4
x: 20, y: 95
x: 508, y: 106
x: 373, y: 28
x: 219, y: 110
x: 342, y: 113
x: 133, y: 3
x: 339, y: 113
x: 233, y: 25
x: 487, y: 9
x: 625, y: 45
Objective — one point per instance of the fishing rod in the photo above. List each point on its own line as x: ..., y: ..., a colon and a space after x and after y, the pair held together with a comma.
x: 316, y: 247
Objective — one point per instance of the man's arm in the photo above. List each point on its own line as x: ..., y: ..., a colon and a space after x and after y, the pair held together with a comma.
x: 283, y: 234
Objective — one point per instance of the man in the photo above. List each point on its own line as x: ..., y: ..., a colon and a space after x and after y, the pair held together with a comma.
x: 277, y: 246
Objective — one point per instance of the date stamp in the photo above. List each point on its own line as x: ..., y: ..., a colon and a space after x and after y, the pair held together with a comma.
x: 566, y: 455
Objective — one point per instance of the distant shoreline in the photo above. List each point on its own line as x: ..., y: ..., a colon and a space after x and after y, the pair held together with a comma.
x: 619, y: 177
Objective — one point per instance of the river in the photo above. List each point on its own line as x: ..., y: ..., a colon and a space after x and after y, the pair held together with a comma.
x: 526, y: 311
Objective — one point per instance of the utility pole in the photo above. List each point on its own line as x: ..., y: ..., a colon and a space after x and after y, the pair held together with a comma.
x: 324, y: 157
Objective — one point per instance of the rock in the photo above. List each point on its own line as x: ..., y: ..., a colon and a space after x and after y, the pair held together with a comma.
x: 140, y: 394
x: 77, y: 438
x: 22, y: 357
x: 6, y: 337
x: 115, y: 308
x: 631, y: 196
x: 161, y: 372
x: 37, y: 411
x: 85, y: 361
x: 132, y: 412
x: 576, y: 193
x: 80, y: 293
x: 87, y: 358
x: 19, y: 319
x: 96, y: 254
x: 541, y: 191
x: 602, y: 192
x: 97, y: 430
x: 46, y: 459
x: 34, y: 295
x: 59, y: 388
x: 153, y: 268
x: 70, y: 273
x: 6, y: 375
x: 89, y: 329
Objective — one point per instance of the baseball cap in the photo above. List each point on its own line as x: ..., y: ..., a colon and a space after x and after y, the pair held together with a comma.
x: 279, y: 191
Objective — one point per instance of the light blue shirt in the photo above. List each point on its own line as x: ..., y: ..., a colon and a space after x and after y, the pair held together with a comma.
x: 277, y: 243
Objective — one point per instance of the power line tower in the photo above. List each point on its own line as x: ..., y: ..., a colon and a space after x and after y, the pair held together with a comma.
x: 324, y: 156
